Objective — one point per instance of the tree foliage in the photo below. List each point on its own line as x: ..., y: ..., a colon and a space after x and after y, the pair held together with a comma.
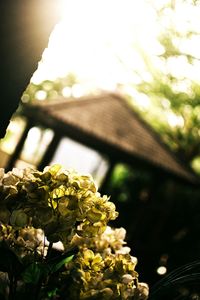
x: 172, y: 87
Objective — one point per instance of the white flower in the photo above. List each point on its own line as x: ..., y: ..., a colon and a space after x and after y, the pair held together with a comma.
x: 127, y: 278
x: 124, y: 250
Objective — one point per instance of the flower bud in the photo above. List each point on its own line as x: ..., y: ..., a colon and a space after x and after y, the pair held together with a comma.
x: 19, y: 218
x: 127, y: 278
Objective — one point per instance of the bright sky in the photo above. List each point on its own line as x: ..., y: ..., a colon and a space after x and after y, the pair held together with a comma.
x: 94, y: 36
x: 98, y: 41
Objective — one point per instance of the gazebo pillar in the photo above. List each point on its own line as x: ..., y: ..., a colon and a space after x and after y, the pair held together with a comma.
x: 50, y: 151
x: 13, y: 158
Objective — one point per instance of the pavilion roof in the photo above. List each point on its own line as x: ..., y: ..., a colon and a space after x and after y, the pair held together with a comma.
x: 110, y: 125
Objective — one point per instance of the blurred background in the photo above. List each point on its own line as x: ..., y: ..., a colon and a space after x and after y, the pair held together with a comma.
x: 146, y: 52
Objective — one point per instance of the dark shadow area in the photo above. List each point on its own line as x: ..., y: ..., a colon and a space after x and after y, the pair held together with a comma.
x: 160, y: 216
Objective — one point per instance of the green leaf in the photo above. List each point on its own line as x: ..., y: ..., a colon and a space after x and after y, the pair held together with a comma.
x: 52, y: 293
x: 56, y: 266
x: 35, y: 271
x: 32, y: 273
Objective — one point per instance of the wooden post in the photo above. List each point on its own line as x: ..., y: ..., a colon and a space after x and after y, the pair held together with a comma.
x: 19, y: 147
x: 50, y: 151
x: 105, y: 184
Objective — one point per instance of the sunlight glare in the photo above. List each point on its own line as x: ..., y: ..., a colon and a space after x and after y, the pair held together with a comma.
x: 95, y: 41
x: 67, y: 91
x: 104, y: 43
x: 174, y: 120
x: 41, y: 95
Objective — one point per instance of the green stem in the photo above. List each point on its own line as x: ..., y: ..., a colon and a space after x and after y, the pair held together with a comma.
x: 38, y: 289
x: 49, y: 250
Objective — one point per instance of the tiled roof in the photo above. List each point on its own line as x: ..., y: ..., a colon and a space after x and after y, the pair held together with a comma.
x: 107, y: 122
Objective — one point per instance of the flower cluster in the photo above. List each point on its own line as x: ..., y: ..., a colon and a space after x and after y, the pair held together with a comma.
x: 39, y: 209
x: 59, y: 202
x: 105, y: 269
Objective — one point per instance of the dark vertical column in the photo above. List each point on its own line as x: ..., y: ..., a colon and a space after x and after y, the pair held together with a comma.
x: 50, y: 151
x: 105, y: 184
x: 19, y: 147
x: 24, y: 33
